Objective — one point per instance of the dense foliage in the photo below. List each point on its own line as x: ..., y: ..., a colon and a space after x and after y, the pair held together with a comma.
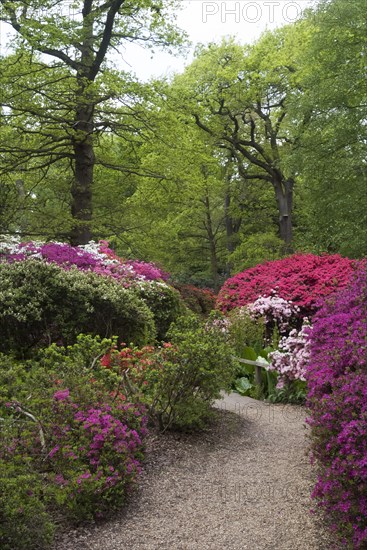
x: 199, y: 300
x: 337, y: 380
x: 302, y: 279
x: 329, y: 111
x: 253, y: 152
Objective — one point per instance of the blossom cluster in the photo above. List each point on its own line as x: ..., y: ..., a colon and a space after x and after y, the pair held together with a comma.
x: 96, y: 257
x: 290, y: 361
x: 337, y: 381
x: 301, y: 278
x: 273, y: 308
x: 96, y: 450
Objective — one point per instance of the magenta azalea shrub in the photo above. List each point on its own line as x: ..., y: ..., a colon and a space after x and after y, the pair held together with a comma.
x: 95, y: 453
x: 301, y: 279
x: 337, y: 381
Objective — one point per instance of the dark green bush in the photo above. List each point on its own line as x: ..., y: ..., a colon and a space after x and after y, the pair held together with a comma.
x: 24, y: 521
x: 42, y: 303
x: 165, y: 303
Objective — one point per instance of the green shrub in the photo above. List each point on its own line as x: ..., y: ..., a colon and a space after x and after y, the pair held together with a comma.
x: 165, y: 303
x: 42, y: 303
x: 245, y: 331
x: 180, y: 380
x: 198, y: 367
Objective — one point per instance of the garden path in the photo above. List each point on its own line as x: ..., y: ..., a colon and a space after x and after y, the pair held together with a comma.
x: 242, y: 485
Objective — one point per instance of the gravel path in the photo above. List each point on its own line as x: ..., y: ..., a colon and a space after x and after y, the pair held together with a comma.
x: 243, y: 484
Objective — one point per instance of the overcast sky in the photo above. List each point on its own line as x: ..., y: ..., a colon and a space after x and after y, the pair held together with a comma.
x: 208, y: 21
x: 205, y: 21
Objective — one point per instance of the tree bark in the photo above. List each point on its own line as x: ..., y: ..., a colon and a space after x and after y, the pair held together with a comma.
x: 81, y: 188
x: 284, y: 198
x: 228, y: 223
x: 84, y: 157
x: 212, y: 246
x: 230, y: 230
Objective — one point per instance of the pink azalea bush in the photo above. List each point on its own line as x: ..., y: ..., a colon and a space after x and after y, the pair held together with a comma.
x: 337, y: 381
x: 291, y: 358
x: 274, y: 310
x: 95, y: 452
x: 301, y: 279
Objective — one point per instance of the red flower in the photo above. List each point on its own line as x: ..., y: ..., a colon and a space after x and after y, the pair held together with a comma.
x: 106, y: 360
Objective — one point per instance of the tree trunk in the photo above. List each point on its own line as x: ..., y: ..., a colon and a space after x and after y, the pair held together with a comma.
x: 81, y: 191
x: 228, y: 223
x: 84, y: 158
x: 212, y: 246
x: 284, y: 197
x: 229, y: 230
x: 81, y: 188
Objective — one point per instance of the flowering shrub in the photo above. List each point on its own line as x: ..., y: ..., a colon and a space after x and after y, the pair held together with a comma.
x: 273, y: 308
x: 290, y: 361
x: 337, y: 380
x: 145, y: 270
x: 95, y: 453
x: 98, y: 258
x: 69, y: 440
x: 275, y: 312
x: 301, y: 279
x: 42, y: 303
x: 145, y: 279
x: 179, y: 381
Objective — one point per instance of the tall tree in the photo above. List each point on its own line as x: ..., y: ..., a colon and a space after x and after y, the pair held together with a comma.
x: 60, y: 102
x: 239, y: 96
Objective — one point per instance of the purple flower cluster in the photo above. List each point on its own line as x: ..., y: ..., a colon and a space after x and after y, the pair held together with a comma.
x: 337, y: 380
x: 96, y: 451
x: 61, y: 395
x: 103, y: 429
x: 91, y: 257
